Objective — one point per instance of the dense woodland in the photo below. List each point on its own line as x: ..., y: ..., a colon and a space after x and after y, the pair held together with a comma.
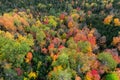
x: 59, y: 39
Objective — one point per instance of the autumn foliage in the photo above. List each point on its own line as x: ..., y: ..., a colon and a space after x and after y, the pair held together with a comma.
x: 74, y: 44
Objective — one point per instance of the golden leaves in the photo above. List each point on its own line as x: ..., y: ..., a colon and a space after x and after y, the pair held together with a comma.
x: 70, y: 24
x: 32, y: 75
x: 11, y: 21
x: 116, y: 40
x: 29, y: 57
x: 7, y: 23
x: 117, y: 22
x: 108, y: 19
